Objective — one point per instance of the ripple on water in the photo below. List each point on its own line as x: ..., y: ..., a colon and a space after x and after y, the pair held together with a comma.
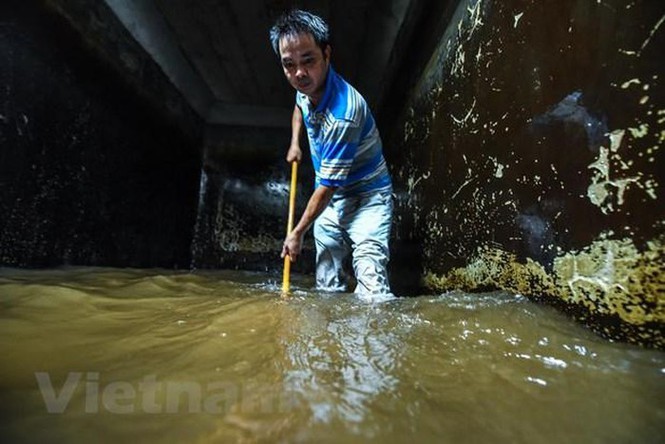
x: 470, y: 367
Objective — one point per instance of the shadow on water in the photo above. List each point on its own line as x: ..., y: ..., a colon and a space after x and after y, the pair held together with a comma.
x: 109, y: 354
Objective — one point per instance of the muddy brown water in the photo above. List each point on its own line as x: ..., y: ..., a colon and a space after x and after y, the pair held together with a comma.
x: 104, y: 355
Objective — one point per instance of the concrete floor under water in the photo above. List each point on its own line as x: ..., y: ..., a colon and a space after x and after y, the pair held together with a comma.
x: 157, y: 356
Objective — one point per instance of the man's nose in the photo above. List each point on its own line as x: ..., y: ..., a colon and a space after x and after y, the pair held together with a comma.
x: 301, y: 71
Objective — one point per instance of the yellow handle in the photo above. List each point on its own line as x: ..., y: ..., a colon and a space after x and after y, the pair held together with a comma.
x: 289, y: 226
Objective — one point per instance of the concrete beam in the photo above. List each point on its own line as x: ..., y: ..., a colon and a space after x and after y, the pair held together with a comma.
x: 147, y: 25
x: 249, y: 115
x: 383, y: 28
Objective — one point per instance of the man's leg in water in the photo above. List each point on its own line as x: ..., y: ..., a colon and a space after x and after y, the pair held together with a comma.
x: 369, y: 222
x: 331, y: 250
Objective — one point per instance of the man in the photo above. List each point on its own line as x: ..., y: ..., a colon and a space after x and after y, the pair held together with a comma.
x: 351, y: 207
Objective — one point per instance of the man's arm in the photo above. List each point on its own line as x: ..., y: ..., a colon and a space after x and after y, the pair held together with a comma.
x: 317, y: 203
x: 295, y: 154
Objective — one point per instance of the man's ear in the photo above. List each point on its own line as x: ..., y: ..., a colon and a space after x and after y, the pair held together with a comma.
x: 327, y: 52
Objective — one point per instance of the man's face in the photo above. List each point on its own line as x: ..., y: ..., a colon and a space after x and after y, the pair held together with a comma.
x: 304, y: 64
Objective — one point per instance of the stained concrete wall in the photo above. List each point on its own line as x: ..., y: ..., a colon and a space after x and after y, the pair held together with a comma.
x: 91, y: 172
x: 529, y: 159
x: 243, y: 200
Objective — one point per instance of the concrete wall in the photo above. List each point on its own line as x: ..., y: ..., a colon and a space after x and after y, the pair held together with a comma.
x: 529, y: 159
x: 91, y: 172
x: 243, y: 200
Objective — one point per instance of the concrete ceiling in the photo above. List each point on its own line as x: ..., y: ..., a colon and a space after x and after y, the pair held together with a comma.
x: 217, y: 52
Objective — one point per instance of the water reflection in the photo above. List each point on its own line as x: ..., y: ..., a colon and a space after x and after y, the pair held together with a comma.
x: 573, y: 113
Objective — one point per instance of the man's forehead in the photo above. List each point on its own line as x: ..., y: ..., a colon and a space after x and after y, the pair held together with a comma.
x: 302, y: 42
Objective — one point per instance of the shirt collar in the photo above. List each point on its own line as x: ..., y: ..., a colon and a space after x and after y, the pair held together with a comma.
x: 327, y: 94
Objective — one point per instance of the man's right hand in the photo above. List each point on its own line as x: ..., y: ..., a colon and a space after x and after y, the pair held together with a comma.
x: 294, y: 154
x: 292, y: 245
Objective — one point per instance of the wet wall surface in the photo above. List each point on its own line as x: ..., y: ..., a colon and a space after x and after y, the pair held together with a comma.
x: 529, y: 158
x: 90, y: 173
x: 244, y: 198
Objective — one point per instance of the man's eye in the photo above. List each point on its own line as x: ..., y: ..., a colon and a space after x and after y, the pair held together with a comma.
x: 288, y: 65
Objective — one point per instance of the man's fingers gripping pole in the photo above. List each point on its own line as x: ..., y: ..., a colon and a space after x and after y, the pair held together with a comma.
x: 286, y: 284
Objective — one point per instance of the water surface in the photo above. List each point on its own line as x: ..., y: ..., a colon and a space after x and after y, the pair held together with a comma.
x: 102, y: 355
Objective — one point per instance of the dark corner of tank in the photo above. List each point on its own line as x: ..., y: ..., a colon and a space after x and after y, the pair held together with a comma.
x: 96, y: 169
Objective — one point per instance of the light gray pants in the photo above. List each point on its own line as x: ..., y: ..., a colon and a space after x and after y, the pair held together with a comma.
x: 359, y: 225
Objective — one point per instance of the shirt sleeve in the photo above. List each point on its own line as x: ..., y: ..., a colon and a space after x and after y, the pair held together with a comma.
x: 338, y: 152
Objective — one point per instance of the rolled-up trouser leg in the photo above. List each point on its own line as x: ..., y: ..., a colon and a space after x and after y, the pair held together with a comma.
x: 331, y: 249
x: 369, y: 230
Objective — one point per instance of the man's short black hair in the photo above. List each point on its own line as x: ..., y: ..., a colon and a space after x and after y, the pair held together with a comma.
x: 297, y: 22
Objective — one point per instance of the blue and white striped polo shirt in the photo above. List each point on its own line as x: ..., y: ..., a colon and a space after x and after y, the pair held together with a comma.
x: 344, y: 142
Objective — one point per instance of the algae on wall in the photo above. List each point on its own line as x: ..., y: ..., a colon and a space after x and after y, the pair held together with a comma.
x: 530, y: 159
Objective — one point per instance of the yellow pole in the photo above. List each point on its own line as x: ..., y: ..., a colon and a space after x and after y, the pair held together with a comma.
x: 289, y: 226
